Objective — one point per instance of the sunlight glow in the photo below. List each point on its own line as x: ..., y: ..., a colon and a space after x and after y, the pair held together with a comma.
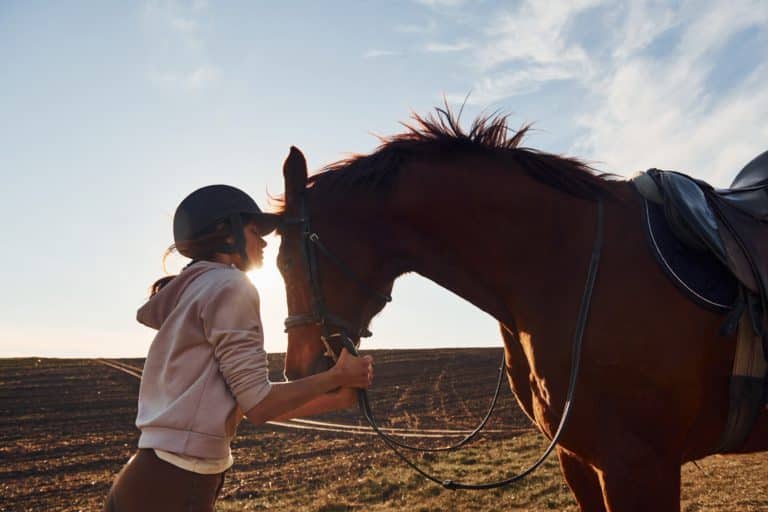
x: 268, y: 278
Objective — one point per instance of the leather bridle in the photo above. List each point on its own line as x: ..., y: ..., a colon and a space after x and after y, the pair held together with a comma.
x: 332, y: 326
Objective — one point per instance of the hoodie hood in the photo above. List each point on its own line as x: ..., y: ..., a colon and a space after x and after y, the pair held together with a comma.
x: 159, y: 307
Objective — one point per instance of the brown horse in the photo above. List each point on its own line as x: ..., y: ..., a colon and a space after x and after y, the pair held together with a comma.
x: 511, y: 229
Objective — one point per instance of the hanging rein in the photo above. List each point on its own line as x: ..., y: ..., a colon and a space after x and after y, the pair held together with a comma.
x: 334, y: 327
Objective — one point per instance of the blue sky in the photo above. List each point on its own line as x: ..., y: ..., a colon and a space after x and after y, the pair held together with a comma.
x: 113, y: 111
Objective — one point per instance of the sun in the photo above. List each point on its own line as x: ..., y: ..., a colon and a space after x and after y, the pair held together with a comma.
x: 268, y: 277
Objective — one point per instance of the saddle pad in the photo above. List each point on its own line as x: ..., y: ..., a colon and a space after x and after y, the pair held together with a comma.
x: 698, y: 274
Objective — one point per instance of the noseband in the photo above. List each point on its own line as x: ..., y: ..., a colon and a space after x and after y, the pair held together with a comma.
x: 335, y: 327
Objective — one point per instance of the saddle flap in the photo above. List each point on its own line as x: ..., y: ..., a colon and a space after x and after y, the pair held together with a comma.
x: 747, y: 245
x: 691, y: 204
x: 737, y: 260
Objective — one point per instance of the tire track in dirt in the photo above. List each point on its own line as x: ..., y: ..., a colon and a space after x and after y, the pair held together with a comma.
x: 463, y: 405
x: 437, y: 391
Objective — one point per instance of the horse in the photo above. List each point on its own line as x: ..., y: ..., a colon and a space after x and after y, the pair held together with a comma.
x: 511, y: 230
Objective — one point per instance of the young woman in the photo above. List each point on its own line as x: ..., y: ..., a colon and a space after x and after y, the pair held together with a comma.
x: 207, y: 365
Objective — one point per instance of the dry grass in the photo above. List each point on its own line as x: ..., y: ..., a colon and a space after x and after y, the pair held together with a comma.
x: 390, y: 485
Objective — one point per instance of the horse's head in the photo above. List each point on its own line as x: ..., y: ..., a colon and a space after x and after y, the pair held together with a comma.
x: 336, y: 275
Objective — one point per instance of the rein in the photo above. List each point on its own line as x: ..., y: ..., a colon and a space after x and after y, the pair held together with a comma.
x: 320, y: 316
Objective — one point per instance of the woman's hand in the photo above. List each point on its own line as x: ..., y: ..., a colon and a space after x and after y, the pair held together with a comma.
x: 312, y: 395
x: 354, y: 372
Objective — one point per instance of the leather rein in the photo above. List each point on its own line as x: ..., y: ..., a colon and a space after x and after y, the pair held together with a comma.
x: 332, y: 326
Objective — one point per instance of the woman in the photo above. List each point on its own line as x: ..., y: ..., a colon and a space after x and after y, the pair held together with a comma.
x: 207, y: 365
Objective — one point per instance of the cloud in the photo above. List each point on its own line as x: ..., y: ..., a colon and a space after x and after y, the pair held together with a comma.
x: 526, y: 47
x: 447, y: 47
x: 196, y: 79
x: 184, y: 25
x: 534, y: 32
x: 498, y: 86
x: 653, y: 83
x: 177, y: 32
x: 374, y: 54
x: 643, y: 22
x: 439, y: 4
x: 660, y: 109
x: 428, y: 28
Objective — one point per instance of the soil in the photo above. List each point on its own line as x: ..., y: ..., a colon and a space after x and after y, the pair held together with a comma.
x: 67, y: 428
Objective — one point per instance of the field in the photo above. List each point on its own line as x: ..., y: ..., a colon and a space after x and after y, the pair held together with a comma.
x: 67, y: 427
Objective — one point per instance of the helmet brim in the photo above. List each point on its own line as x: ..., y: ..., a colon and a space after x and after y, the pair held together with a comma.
x: 266, y: 223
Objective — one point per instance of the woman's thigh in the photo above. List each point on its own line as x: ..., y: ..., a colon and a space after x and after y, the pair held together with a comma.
x: 148, y: 484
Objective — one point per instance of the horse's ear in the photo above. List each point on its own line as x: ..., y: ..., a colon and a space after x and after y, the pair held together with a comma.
x: 295, y: 174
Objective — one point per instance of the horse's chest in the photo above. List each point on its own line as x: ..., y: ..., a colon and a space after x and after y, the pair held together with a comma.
x: 534, y: 396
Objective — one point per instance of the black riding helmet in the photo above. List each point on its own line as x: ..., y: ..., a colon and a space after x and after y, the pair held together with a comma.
x: 205, y: 207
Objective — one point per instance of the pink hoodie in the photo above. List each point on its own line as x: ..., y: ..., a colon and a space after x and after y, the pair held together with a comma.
x: 207, y: 363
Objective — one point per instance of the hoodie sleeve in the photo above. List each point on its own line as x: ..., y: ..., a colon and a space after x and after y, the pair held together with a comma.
x: 232, y: 324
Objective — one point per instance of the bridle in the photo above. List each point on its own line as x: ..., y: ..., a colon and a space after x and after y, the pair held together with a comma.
x: 332, y: 326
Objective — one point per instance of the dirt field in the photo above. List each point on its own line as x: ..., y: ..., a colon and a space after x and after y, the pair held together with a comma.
x: 67, y: 427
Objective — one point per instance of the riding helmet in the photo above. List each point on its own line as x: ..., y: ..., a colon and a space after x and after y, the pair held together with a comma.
x: 207, y: 206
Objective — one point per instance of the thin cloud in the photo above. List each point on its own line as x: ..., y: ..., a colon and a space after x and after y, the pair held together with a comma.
x: 660, y: 110
x: 643, y: 92
x: 374, y: 54
x: 447, y: 47
x: 525, y: 48
x: 437, y: 4
x: 498, y: 86
x: 427, y: 28
x: 534, y: 32
x: 183, y: 25
x: 196, y: 79
x: 178, y: 30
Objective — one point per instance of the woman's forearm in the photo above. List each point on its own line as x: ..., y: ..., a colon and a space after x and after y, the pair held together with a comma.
x: 290, y: 399
x: 285, y: 397
x: 341, y: 399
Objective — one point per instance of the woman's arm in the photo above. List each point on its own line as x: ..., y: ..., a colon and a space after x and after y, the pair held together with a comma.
x: 285, y: 398
x: 344, y: 398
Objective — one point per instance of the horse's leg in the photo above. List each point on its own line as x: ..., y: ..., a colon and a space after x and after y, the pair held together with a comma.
x: 583, y: 481
x: 630, y: 484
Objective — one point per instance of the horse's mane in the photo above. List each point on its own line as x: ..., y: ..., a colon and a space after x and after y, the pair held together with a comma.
x: 440, y: 133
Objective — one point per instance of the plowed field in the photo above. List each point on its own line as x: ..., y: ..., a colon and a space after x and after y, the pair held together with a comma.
x: 67, y: 427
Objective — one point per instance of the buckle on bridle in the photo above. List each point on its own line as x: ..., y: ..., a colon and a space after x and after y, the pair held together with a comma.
x: 346, y: 342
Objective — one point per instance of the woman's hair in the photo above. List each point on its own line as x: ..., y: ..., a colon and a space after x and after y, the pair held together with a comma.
x: 203, y: 247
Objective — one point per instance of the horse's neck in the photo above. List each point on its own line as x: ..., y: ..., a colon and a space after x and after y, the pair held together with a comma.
x: 501, y: 242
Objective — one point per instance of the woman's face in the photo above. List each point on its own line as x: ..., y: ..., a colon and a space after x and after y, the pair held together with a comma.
x: 254, y: 245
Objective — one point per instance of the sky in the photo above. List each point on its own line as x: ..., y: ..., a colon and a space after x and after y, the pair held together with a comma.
x: 112, y: 112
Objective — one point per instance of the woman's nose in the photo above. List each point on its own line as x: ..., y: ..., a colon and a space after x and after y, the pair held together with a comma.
x: 262, y: 242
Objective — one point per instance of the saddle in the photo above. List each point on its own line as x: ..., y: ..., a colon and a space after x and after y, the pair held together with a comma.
x: 730, y: 225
